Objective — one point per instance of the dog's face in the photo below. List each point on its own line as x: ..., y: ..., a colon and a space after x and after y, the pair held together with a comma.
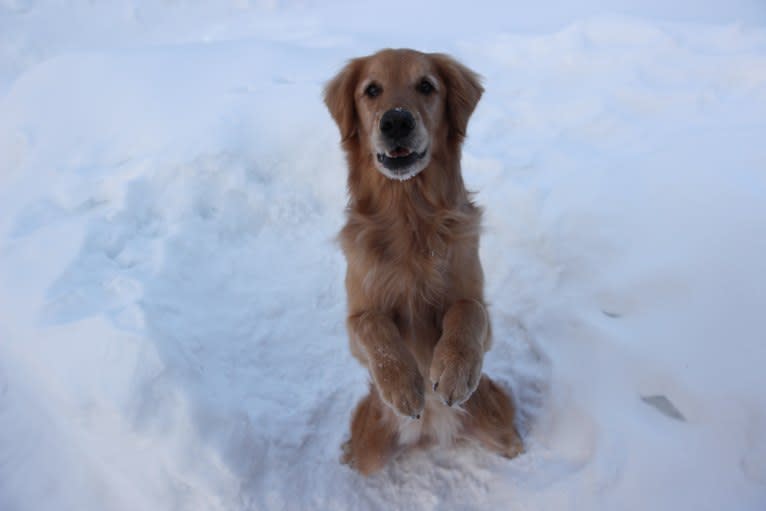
x: 402, y: 106
x: 398, y: 109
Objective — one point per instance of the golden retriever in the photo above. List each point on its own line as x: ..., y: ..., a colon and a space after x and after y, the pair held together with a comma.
x: 416, y: 313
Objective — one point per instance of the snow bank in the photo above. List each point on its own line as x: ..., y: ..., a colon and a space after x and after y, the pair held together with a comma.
x: 172, y: 328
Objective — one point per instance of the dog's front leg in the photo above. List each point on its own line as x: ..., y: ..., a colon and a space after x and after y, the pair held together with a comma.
x: 456, y: 365
x: 392, y: 367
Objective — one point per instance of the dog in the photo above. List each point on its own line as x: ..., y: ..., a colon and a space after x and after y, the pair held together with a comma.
x: 416, y: 313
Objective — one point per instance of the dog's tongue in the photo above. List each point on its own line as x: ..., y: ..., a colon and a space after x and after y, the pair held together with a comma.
x: 400, y: 152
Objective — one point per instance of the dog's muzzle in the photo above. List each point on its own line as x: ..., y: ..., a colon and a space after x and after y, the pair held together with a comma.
x: 403, y: 155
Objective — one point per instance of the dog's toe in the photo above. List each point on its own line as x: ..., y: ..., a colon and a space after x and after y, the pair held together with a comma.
x: 513, y: 447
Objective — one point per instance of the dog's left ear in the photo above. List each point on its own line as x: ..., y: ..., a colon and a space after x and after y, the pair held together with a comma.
x: 339, y: 98
x: 463, y: 92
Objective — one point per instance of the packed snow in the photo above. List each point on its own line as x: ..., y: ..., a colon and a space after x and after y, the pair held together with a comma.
x: 171, y: 291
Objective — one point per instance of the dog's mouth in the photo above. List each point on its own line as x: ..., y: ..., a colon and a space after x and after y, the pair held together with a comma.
x: 400, y: 158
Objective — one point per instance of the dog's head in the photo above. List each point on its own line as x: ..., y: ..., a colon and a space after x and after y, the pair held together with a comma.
x: 402, y: 106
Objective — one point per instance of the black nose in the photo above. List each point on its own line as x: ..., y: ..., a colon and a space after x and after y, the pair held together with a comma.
x: 397, y: 124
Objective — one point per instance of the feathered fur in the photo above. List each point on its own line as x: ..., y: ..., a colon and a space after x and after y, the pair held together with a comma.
x: 416, y: 313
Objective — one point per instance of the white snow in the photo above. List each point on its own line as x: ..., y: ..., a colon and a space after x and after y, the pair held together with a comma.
x: 171, y: 301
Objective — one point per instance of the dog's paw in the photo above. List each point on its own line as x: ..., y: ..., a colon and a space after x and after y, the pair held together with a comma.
x: 455, y: 371
x: 400, y: 386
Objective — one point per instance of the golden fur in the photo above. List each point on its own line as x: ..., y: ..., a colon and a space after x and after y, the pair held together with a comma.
x: 416, y: 313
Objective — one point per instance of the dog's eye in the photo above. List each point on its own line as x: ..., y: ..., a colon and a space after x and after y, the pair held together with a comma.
x: 373, y: 90
x: 425, y: 87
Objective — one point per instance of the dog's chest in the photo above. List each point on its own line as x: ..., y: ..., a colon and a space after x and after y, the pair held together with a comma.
x: 400, y: 266
x: 412, y: 276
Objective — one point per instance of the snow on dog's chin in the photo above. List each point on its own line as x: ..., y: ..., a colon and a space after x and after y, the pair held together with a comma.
x: 402, y: 166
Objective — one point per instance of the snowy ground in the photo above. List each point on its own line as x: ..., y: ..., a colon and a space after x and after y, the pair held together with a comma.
x: 171, y: 302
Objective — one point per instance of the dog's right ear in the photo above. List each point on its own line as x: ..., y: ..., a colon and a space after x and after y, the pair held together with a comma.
x: 339, y: 98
